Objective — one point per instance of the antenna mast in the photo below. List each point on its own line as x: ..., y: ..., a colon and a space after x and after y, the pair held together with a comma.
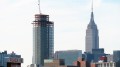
x: 39, y: 6
x: 92, y: 6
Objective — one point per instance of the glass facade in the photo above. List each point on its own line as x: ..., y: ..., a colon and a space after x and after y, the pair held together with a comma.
x: 43, y: 39
x: 116, y: 55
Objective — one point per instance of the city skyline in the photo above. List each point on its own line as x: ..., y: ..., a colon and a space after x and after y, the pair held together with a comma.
x: 70, y: 24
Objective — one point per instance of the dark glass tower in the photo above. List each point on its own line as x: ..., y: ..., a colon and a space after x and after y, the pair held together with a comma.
x: 92, y: 37
x: 116, y: 55
x: 43, y: 39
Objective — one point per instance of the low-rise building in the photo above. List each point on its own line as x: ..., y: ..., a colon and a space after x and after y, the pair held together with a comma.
x: 10, y: 60
x: 56, y: 63
x: 109, y: 58
x: 103, y: 64
x: 81, y: 62
x: 68, y: 55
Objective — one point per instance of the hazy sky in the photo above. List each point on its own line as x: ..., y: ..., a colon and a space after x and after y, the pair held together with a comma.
x: 70, y: 17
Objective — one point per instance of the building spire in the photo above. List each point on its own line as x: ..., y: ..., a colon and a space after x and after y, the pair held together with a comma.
x: 92, y: 6
x: 92, y: 15
x: 92, y: 37
x: 39, y: 6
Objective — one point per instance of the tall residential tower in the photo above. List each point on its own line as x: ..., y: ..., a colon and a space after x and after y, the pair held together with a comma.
x: 43, y: 39
x: 92, y: 37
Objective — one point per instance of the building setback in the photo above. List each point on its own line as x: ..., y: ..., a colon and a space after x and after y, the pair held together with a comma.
x: 43, y: 39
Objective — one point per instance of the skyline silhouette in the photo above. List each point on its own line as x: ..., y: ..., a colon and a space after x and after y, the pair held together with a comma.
x: 71, y: 18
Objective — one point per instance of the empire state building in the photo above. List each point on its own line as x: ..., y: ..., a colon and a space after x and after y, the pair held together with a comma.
x: 92, y: 37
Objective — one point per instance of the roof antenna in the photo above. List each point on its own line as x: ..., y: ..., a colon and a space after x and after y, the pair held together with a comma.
x: 92, y: 6
x: 39, y: 6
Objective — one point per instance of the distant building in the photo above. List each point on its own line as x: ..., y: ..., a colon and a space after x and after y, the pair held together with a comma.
x: 98, y: 51
x: 103, y: 58
x: 88, y: 57
x: 81, y: 62
x: 103, y: 64
x: 98, y: 56
x: 116, y: 55
x: 69, y: 56
x: 43, y: 39
x: 34, y: 65
x: 118, y: 63
x: 92, y: 37
x: 10, y: 60
x: 56, y: 63
x: 94, y: 57
x: 109, y: 58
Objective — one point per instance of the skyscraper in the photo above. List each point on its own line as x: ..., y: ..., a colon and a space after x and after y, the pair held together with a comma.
x: 92, y: 38
x: 43, y: 39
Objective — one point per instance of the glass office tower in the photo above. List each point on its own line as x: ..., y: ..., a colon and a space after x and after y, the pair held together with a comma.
x: 43, y: 39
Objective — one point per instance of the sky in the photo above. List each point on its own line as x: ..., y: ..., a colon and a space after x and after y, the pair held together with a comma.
x: 70, y: 17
